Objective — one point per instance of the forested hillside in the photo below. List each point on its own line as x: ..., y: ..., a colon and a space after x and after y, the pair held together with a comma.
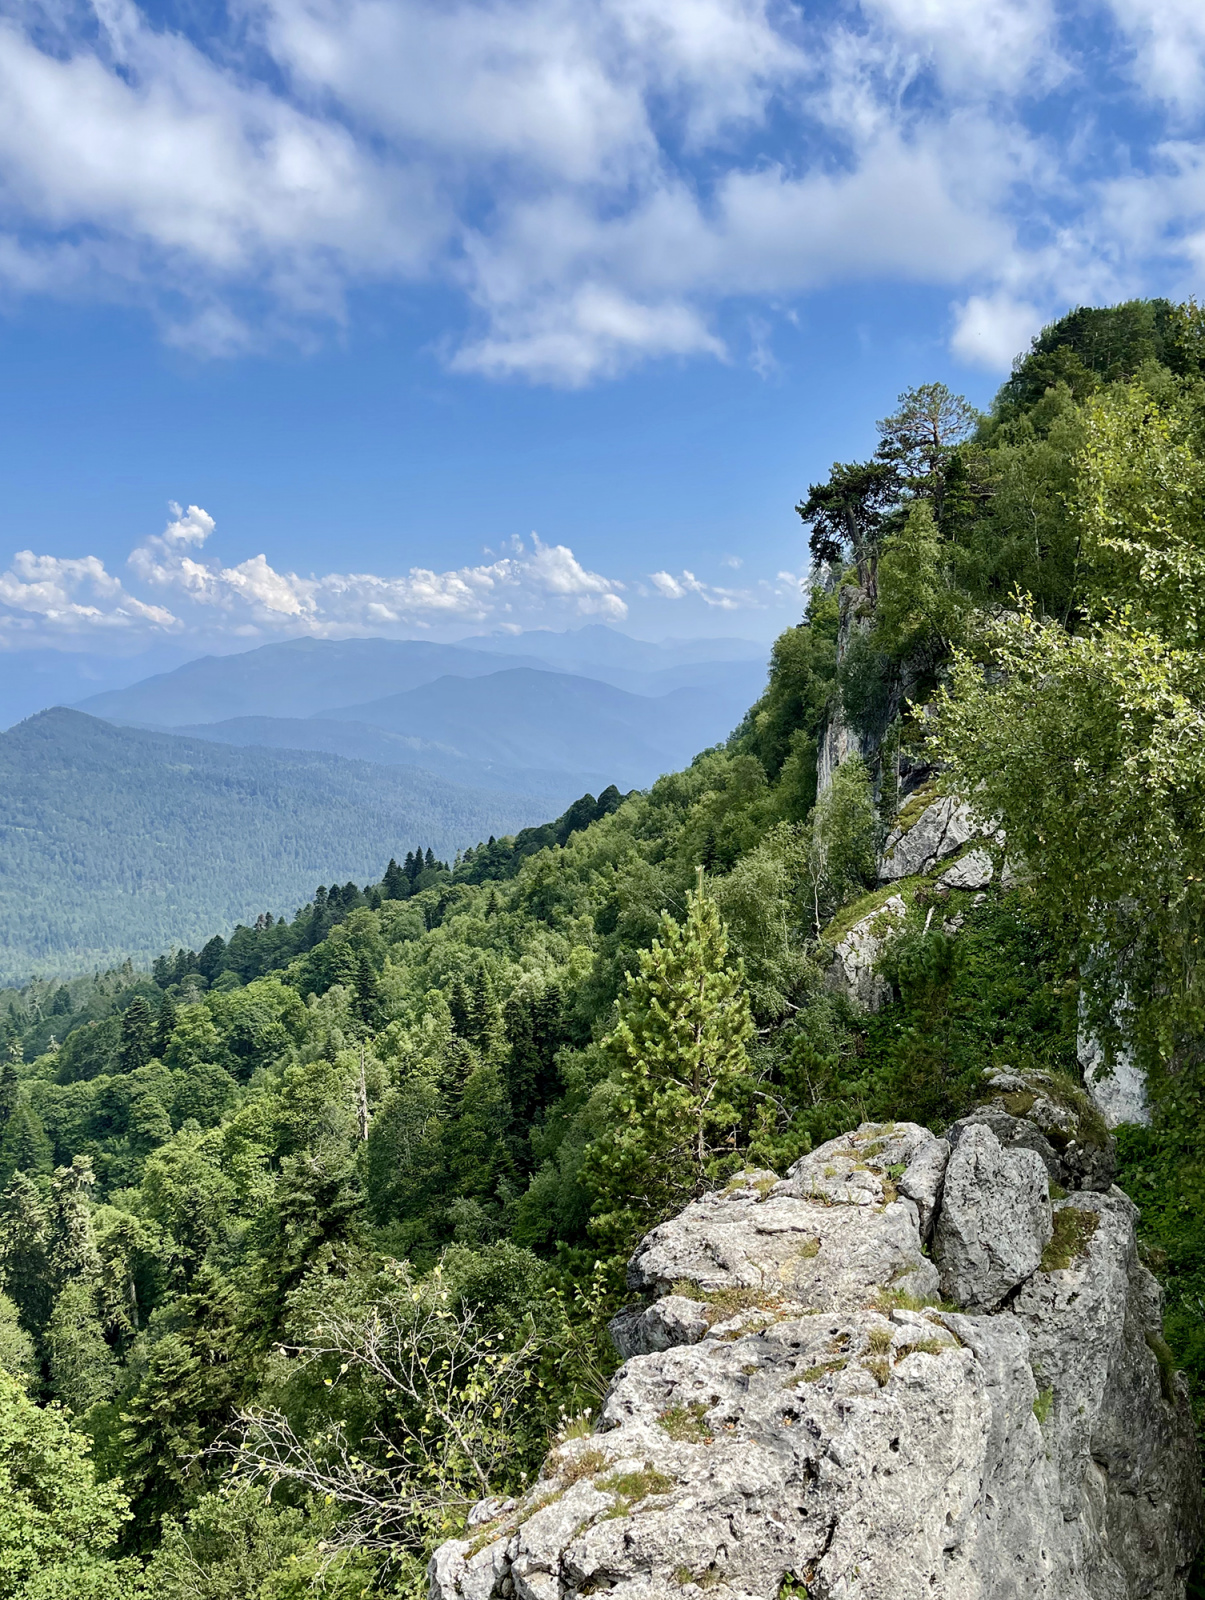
x: 309, y: 1239
x: 116, y: 842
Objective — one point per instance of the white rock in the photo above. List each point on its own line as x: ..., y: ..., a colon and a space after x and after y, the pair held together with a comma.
x: 1117, y: 1088
x: 972, y: 871
x: 852, y: 970
x: 941, y: 830
x: 667, y: 1322
x: 869, y: 1457
x: 995, y: 1219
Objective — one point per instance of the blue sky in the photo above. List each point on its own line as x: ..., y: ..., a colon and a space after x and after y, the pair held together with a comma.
x: 433, y: 318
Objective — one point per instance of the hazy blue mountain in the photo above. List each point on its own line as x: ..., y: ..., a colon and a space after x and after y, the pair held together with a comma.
x: 115, y: 841
x: 558, y: 722
x: 360, y: 742
x: 595, y: 646
x: 31, y: 680
x: 294, y: 678
x: 309, y: 677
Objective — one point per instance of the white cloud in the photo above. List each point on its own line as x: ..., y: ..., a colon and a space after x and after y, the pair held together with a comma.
x: 192, y: 594
x: 678, y: 588
x: 254, y: 596
x: 999, y: 44
x: 66, y: 595
x: 989, y: 330
x: 1169, y: 44
x: 598, y: 177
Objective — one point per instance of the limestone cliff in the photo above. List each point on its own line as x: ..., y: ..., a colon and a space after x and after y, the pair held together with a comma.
x: 903, y: 1372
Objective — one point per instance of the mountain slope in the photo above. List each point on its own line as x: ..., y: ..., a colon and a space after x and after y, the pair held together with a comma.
x: 556, y: 721
x: 296, y: 678
x: 597, y: 646
x: 359, y: 741
x: 115, y: 841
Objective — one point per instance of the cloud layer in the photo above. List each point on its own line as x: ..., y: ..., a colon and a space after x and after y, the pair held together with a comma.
x: 599, y: 178
x: 187, y: 592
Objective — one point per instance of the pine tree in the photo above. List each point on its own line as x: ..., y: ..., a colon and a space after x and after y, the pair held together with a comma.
x: 367, y: 1005
x: 137, y: 1036
x: 24, y: 1146
x: 83, y: 1369
x: 682, y: 1078
x: 9, y: 1092
x: 73, y: 1252
x: 24, y: 1251
x: 165, y: 1025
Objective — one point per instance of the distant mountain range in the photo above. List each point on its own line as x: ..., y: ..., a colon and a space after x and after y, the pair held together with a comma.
x: 116, y: 842
x: 496, y: 718
x: 164, y: 810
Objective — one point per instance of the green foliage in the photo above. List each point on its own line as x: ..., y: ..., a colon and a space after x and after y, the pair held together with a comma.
x: 18, y: 1357
x: 166, y: 808
x: 843, y: 856
x: 57, y: 1523
x: 331, y: 1193
x: 683, y: 1081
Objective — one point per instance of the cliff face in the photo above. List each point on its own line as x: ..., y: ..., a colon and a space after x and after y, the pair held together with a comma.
x: 798, y: 1415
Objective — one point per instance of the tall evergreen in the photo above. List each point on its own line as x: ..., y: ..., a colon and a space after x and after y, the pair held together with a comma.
x: 25, y: 1251
x: 165, y: 1025
x: 394, y: 884
x: 137, y: 1036
x: 683, y: 1078
x: 24, y: 1146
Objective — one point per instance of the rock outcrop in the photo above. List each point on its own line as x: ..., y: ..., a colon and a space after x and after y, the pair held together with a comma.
x: 940, y: 831
x: 853, y: 970
x: 799, y: 1413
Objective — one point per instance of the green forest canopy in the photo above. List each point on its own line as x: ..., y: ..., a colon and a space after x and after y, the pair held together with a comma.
x: 452, y: 1100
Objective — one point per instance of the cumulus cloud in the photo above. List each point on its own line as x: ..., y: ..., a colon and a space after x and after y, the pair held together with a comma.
x: 64, y: 595
x: 677, y: 588
x: 48, y: 595
x: 990, y: 330
x: 597, y: 178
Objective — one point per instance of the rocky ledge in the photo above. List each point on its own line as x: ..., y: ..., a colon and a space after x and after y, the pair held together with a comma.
x: 902, y: 1372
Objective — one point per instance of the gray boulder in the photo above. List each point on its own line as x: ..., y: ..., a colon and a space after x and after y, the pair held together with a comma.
x: 971, y: 871
x: 940, y: 831
x: 832, y: 1430
x: 853, y: 969
x: 995, y: 1219
x: 1052, y: 1116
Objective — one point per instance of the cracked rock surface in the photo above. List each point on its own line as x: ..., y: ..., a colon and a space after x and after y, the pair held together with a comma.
x: 941, y: 830
x: 795, y: 1406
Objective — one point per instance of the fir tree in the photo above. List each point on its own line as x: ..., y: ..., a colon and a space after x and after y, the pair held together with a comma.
x: 24, y: 1251
x: 24, y: 1146
x: 682, y: 1078
x: 367, y: 1004
x: 9, y: 1092
x: 165, y: 1025
x: 137, y: 1036
x: 73, y: 1252
x: 394, y: 884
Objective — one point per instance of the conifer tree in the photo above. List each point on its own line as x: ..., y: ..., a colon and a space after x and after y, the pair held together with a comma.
x: 24, y: 1146
x: 24, y: 1247
x: 367, y: 1003
x: 83, y: 1369
x: 682, y: 1077
x: 165, y: 1025
x: 137, y: 1036
x: 8, y: 1092
x: 73, y: 1252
